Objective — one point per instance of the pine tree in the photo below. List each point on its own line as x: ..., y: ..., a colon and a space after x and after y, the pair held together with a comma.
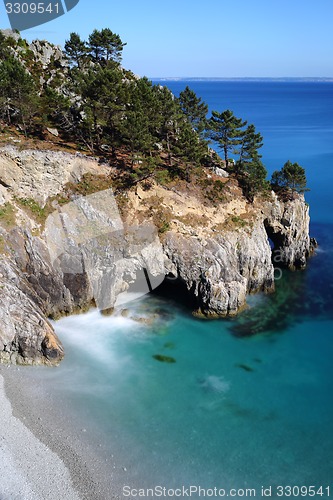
x: 168, y: 118
x: 250, y: 144
x: 194, y: 109
x: 253, y: 178
x: 189, y: 148
x: 291, y: 176
x: 226, y: 131
x: 249, y: 169
x: 76, y: 50
x: 18, y: 96
x: 102, y: 103
x: 105, y: 46
x: 138, y: 126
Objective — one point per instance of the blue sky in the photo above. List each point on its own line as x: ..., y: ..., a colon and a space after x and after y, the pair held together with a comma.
x: 210, y: 38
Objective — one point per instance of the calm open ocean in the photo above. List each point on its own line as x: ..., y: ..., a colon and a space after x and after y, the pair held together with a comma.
x: 232, y: 411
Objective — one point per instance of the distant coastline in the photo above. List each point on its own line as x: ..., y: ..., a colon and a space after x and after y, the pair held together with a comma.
x: 243, y: 79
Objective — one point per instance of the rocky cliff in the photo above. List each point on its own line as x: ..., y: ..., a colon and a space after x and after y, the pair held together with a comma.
x: 59, y: 258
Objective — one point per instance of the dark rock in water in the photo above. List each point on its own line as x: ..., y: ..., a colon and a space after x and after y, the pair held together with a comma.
x: 146, y: 320
x: 276, y: 312
x: 164, y: 359
x: 313, y: 244
x: 245, y: 367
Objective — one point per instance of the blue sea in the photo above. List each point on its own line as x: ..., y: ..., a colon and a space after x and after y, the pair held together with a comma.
x: 233, y: 411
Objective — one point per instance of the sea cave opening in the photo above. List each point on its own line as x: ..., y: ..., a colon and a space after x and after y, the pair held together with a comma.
x: 275, y: 240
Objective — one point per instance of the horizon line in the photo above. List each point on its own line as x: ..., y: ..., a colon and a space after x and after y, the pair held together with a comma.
x: 314, y: 78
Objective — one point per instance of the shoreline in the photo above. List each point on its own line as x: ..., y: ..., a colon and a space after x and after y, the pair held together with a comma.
x: 44, y: 453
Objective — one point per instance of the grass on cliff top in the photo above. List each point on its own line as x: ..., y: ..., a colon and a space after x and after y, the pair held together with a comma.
x: 34, y: 210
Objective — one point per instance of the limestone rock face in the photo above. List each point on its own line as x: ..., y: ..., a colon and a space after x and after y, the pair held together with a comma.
x: 222, y: 269
x: 45, y: 52
x: 11, y: 34
x: 34, y: 286
x: 42, y: 174
x: 287, y: 226
x: 26, y: 337
x: 85, y: 255
x: 48, y: 59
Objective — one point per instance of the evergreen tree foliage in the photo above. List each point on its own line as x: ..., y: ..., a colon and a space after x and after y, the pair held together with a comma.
x: 105, y: 46
x: 194, y: 108
x: 57, y: 109
x: 250, y: 143
x: 18, y: 97
x: 97, y: 104
x: 252, y: 178
x: 140, y: 122
x: 168, y: 119
x: 291, y: 177
x: 101, y: 106
x: 249, y: 168
x: 226, y: 131
x: 190, y: 149
x: 76, y: 50
x: 4, y: 49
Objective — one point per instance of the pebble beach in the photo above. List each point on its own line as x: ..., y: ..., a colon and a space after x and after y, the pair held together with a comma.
x: 42, y: 453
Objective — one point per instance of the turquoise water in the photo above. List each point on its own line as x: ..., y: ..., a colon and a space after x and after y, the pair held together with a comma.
x: 233, y: 410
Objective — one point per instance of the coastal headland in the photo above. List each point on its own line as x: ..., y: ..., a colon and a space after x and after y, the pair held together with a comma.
x: 49, y: 268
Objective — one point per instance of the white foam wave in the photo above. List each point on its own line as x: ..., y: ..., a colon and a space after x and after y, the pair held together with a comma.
x: 213, y: 383
x: 95, y: 335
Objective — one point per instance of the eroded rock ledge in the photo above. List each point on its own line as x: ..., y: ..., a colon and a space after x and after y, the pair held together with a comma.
x: 221, y: 253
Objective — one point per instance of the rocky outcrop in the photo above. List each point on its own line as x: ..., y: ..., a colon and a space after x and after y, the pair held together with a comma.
x: 221, y: 269
x: 85, y: 254
x: 26, y: 337
x: 42, y: 174
x: 39, y: 57
x: 47, y: 54
x: 287, y: 226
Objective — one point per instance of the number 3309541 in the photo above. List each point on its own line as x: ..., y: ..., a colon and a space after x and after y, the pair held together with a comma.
x: 32, y: 8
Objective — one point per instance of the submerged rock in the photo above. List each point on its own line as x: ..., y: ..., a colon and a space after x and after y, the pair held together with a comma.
x: 164, y: 359
x: 246, y: 368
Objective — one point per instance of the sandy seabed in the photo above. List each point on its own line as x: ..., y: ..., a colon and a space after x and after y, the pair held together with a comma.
x: 44, y: 454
